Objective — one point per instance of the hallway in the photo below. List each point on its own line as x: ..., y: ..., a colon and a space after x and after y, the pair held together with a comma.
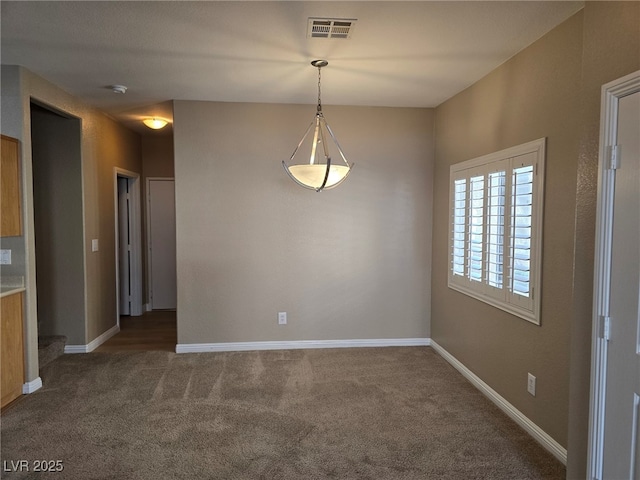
x: 153, y: 331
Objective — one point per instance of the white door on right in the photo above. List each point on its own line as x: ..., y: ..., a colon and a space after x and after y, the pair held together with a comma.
x: 621, y: 458
x: 162, y: 243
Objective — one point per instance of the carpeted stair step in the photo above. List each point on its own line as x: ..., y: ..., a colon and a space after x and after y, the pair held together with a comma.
x: 50, y: 348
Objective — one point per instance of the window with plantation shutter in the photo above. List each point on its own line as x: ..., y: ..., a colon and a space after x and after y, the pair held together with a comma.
x: 496, y: 228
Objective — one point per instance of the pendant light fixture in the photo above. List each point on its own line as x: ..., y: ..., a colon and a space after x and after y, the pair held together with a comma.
x: 320, y: 172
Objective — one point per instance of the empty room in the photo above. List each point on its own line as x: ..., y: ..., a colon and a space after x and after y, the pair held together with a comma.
x: 331, y: 239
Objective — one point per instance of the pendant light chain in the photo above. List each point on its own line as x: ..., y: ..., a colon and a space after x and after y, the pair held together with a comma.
x: 319, y: 100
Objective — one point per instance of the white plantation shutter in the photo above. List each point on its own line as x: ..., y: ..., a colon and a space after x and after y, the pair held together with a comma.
x: 458, y: 233
x: 521, y: 208
x: 476, y: 228
x: 521, y: 242
x: 495, y: 202
x: 496, y: 193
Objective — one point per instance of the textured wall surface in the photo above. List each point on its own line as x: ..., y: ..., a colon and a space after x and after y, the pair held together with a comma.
x: 112, y: 145
x: 347, y: 263
x: 533, y: 95
x: 611, y: 50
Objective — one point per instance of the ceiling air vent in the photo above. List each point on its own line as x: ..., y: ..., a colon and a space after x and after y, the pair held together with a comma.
x: 330, y: 27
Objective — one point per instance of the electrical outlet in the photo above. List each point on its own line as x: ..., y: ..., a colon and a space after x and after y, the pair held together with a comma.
x: 531, y: 385
x: 5, y: 257
x: 282, y: 318
x: 94, y: 245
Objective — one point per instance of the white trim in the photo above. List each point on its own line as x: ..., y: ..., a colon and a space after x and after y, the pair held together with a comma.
x: 76, y: 349
x: 95, y: 343
x: 147, y: 307
x: 136, y: 241
x: 611, y: 94
x: 301, y: 344
x: 522, y: 149
x: 31, y: 386
x: 147, y: 211
x: 516, y: 415
x: 529, y: 316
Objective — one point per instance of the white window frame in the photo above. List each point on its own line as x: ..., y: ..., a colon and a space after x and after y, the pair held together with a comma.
x: 502, y: 297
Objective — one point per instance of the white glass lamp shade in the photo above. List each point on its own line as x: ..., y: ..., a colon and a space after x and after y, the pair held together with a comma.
x: 313, y: 175
x: 155, y: 123
x: 319, y: 172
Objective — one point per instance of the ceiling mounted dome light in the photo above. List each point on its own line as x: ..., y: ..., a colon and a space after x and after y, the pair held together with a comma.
x: 319, y: 173
x: 155, y: 123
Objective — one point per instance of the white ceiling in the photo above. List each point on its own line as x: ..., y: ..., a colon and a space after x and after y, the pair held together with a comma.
x: 408, y: 54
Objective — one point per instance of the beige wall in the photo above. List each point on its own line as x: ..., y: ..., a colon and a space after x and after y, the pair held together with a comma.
x: 611, y: 50
x: 111, y: 145
x: 347, y: 263
x: 533, y: 95
x: 157, y: 161
x: 105, y: 144
x: 157, y: 155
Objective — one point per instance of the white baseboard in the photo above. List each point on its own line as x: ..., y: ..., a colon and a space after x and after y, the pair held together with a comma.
x: 31, y: 386
x: 300, y: 344
x: 146, y: 307
x: 534, y: 430
x: 95, y: 343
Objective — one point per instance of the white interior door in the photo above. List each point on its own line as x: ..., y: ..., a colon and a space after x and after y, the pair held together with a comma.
x: 162, y: 243
x: 124, y: 246
x: 621, y: 456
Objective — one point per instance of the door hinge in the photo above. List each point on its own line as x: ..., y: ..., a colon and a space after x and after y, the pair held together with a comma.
x: 605, y: 327
x: 614, y: 157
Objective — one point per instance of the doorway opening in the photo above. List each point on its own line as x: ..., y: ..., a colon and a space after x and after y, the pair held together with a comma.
x: 58, y: 227
x: 128, y: 243
x: 139, y: 330
x: 155, y: 328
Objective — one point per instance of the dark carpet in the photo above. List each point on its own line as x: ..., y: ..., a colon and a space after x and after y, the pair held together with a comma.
x: 367, y: 413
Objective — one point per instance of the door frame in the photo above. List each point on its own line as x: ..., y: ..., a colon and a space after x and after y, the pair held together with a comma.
x: 136, y: 241
x: 148, y: 181
x: 611, y: 94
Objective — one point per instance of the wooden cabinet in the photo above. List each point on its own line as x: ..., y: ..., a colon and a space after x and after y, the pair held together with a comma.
x: 11, y: 334
x: 10, y: 218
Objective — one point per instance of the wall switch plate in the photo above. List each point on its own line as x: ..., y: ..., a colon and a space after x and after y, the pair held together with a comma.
x: 282, y: 318
x: 531, y: 384
x: 94, y: 245
x: 5, y: 257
